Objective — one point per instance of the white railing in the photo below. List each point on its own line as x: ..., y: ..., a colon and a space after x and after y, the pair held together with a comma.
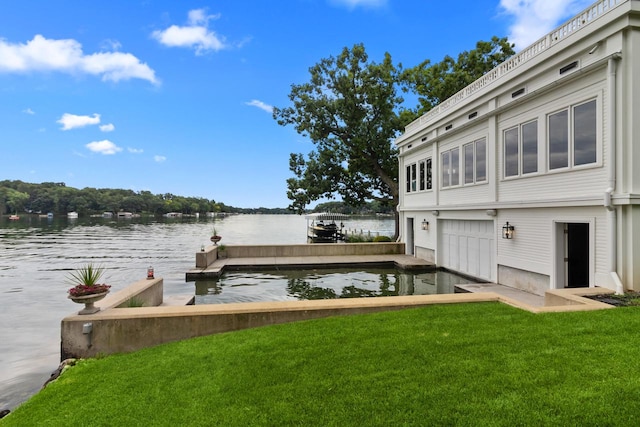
x: 581, y: 20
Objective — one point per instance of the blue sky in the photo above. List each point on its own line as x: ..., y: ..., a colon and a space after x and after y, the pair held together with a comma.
x: 176, y: 96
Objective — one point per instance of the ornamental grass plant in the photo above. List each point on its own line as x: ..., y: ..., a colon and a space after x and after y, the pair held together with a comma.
x: 85, y: 280
x: 481, y: 364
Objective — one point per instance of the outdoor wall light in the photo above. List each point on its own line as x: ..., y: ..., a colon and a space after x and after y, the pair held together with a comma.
x: 150, y: 273
x: 425, y: 225
x: 507, y: 231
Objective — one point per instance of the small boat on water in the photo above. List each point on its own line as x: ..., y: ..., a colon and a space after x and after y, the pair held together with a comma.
x: 322, y: 227
x: 72, y: 215
x: 14, y: 217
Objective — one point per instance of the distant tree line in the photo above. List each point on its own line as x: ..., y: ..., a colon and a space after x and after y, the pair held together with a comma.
x: 370, y: 208
x: 56, y: 197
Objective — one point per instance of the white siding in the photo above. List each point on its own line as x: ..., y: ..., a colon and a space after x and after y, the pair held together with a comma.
x: 538, y: 204
x: 590, y: 181
x: 531, y: 248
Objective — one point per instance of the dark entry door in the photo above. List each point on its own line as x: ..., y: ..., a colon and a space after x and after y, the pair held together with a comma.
x: 577, y: 255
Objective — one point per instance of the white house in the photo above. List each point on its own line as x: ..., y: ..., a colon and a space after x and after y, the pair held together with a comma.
x: 528, y: 176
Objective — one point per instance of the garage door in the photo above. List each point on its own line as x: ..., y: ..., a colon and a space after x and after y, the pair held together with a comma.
x: 467, y: 247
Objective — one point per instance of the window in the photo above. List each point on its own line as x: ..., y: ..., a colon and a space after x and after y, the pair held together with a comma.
x: 521, y: 149
x: 418, y: 176
x: 584, y: 133
x: 408, y: 179
x: 475, y: 161
x: 450, y: 165
x: 511, y: 152
x: 411, y: 178
x: 559, y: 140
x: 530, y: 147
x: 425, y: 175
x: 573, y: 136
x: 469, y: 169
x: 481, y: 160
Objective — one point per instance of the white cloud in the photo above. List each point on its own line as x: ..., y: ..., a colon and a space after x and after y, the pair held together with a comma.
x: 103, y: 147
x: 71, y: 121
x: 196, y: 34
x: 352, y: 4
x: 159, y: 159
x: 255, y: 103
x: 535, y: 18
x: 28, y: 111
x: 66, y: 56
x: 107, y: 128
x: 135, y: 150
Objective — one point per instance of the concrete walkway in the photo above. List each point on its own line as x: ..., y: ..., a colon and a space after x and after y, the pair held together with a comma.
x: 523, y: 297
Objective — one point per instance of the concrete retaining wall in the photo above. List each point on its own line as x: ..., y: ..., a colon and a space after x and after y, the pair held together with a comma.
x: 210, y: 254
x: 114, y: 329
x: 120, y: 330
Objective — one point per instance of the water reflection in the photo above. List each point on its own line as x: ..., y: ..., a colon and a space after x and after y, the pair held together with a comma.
x: 280, y: 285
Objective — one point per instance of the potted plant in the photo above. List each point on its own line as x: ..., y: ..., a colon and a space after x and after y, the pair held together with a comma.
x: 87, y: 289
x: 215, y: 237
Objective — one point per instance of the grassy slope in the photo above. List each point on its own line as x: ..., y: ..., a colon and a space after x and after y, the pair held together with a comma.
x: 478, y: 364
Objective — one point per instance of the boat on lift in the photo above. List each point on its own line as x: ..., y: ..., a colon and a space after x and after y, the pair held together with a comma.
x: 323, y: 228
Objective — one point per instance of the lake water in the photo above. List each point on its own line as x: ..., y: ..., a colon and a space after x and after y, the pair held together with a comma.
x: 36, y: 255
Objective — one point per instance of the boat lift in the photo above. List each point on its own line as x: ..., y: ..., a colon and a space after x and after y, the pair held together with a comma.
x: 325, y: 227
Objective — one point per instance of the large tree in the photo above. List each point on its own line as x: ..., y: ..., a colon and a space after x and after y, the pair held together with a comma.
x: 349, y: 110
x: 434, y: 83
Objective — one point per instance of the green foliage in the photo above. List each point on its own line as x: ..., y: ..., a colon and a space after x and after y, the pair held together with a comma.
x: 58, y: 198
x: 369, y: 208
x: 358, y: 238
x: 351, y: 111
x: 382, y: 239
x: 452, y: 364
x: 435, y: 83
x: 135, y: 302
x: 12, y: 200
x: 348, y: 110
x: 88, y: 275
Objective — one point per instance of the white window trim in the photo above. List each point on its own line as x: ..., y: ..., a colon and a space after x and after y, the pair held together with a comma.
x: 463, y: 170
x: 541, y: 143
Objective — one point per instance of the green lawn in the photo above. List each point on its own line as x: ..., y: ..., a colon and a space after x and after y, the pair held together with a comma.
x: 460, y: 364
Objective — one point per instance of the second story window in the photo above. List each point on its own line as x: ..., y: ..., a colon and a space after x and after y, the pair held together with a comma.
x: 475, y: 161
x: 411, y: 178
x: 451, y: 167
x: 573, y: 136
x: 418, y: 176
x: 425, y: 175
x: 521, y: 149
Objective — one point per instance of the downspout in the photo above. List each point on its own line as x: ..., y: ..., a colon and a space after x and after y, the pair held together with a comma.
x: 612, y: 212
